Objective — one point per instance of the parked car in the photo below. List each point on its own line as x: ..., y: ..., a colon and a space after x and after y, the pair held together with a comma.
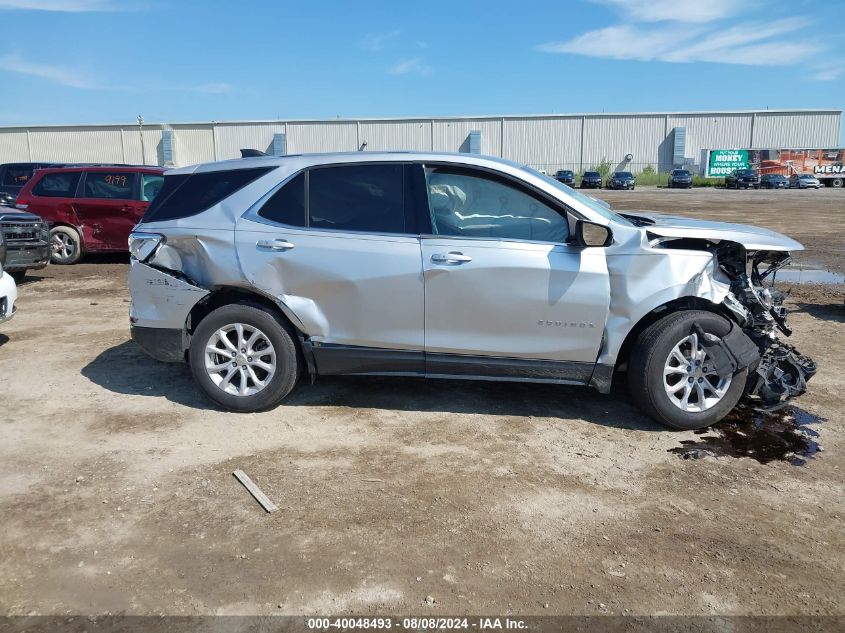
x: 260, y: 269
x: 591, y: 180
x: 774, y: 181
x: 90, y: 208
x: 566, y: 176
x: 8, y: 290
x: 27, y: 240
x: 13, y: 177
x: 680, y: 178
x: 804, y: 181
x: 621, y: 180
x: 742, y: 178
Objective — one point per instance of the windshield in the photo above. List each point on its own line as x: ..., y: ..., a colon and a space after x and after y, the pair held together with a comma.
x: 681, y: 172
x: 624, y: 174
x: 746, y: 172
x: 591, y: 174
x: 592, y: 203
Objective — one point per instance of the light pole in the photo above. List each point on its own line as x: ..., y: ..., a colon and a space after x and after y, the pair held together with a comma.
x: 141, y: 134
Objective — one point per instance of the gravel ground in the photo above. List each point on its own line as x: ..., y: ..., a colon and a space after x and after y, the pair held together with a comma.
x: 401, y: 495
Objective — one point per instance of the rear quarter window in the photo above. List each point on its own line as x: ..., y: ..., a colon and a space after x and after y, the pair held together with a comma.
x: 57, y: 185
x: 185, y: 195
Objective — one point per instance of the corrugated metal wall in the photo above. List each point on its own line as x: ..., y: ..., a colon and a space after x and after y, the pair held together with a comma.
x: 547, y: 142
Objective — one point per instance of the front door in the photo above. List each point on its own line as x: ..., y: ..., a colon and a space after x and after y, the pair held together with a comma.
x: 336, y: 247
x: 505, y: 294
x: 108, y: 209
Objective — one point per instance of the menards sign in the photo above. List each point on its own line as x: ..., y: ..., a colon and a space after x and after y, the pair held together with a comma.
x: 787, y: 162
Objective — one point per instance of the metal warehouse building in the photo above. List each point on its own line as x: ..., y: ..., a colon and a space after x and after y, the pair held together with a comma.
x: 558, y: 141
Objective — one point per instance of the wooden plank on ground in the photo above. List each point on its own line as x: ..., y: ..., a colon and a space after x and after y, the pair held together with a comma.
x: 255, y: 491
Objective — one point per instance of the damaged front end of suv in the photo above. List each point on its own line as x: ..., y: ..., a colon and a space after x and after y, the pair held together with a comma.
x: 781, y: 372
x: 747, y: 259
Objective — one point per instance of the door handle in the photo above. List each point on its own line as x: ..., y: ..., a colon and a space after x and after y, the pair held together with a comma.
x: 452, y: 257
x: 278, y: 244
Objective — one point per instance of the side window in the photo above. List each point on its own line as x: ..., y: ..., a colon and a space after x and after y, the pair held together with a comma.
x: 109, y: 185
x: 16, y: 176
x: 150, y: 186
x: 57, y: 185
x: 465, y: 205
x: 287, y: 205
x: 357, y: 198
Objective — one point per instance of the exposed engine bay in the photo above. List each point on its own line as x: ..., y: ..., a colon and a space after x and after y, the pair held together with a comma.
x: 781, y: 372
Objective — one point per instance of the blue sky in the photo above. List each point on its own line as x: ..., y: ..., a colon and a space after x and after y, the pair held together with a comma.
x: 91, y: 61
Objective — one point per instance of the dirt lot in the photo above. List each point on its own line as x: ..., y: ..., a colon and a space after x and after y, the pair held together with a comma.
x: 400, y: 495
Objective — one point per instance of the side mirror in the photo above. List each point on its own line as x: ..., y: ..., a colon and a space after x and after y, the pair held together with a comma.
x: 589, y: 234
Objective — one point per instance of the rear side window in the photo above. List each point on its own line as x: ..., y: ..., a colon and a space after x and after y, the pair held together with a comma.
x: 109, y: 185
x: 287, y: 205
x: 57, y: 185
x: 357, y: 198
x: 16, y: 176
x: 188, y: 194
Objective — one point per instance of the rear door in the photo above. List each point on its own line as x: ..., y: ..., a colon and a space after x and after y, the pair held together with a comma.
x: 108, y: 208
x: 338, y: 246
x: 504, y: 290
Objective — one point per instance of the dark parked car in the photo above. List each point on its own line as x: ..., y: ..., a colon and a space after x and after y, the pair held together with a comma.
x: 591, y: 180
x: 621, y: 180
x: 774, y: 181
x: 13, y: 177
x: 679, y: 178
x: 27, y: 239
x: 90, y: 208
x: 742, y: 178
x: 566, y: 176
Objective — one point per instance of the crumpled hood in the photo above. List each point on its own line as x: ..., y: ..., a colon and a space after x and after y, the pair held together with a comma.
x: 751, y: 237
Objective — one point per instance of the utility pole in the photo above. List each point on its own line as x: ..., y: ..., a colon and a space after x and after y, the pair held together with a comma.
x: 141, y: 134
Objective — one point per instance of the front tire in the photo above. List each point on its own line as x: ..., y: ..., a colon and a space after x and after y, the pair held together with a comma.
x: 66, y: 245
x: 669, y: 376
x: 244, y: 358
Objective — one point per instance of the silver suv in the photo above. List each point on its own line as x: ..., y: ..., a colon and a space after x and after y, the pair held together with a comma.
x: 258, y: 270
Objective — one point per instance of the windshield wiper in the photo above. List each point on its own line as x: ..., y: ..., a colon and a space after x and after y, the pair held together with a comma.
x: 637, y: 220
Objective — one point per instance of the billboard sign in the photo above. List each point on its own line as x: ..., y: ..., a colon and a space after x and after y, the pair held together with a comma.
x: 724, y: 161
x: 786, y: 162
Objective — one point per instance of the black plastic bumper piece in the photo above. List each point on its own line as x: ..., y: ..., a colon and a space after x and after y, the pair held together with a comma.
x: 164, y: 344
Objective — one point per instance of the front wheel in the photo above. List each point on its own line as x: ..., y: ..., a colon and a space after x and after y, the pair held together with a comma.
x: 244, y: 358
x: 66, y: 245
x: 672, y: 378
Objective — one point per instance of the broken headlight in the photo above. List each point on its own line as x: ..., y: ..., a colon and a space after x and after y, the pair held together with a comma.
x: 142, y: 245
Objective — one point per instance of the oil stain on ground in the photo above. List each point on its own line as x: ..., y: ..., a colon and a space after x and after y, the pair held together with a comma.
x: 766, y: 436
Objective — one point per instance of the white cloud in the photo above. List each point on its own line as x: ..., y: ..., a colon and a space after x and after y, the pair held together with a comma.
x: 57, y: 74
x: 214, y: 88
x: 827, y: 72
x: 376, y: 41
x: 677, y: 10
x: 64, y: 6
x: 749, y: 43
x: 407, y: 66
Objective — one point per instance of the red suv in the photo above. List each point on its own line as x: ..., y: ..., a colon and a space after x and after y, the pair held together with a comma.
x: 90, y: 209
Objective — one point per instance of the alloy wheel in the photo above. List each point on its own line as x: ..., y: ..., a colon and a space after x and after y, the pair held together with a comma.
x: 690, y: 378
x: 240, y: 359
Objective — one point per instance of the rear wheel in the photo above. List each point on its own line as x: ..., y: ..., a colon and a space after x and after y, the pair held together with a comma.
x: 244, y: 358
x: 672, y: 377
x: 66, y: 245
x: 837, y: 182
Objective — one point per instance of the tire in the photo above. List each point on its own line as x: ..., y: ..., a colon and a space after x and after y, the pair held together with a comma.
x: 67, y: 246
x: 651, y: 355
x: 837, y: 182
x: 274, y: 335
x: 18, y: 276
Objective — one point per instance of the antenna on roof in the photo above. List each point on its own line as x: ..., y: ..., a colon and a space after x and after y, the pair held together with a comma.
x: 252, y: 153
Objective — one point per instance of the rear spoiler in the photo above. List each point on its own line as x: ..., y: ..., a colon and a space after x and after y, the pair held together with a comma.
x: 252, y: 153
